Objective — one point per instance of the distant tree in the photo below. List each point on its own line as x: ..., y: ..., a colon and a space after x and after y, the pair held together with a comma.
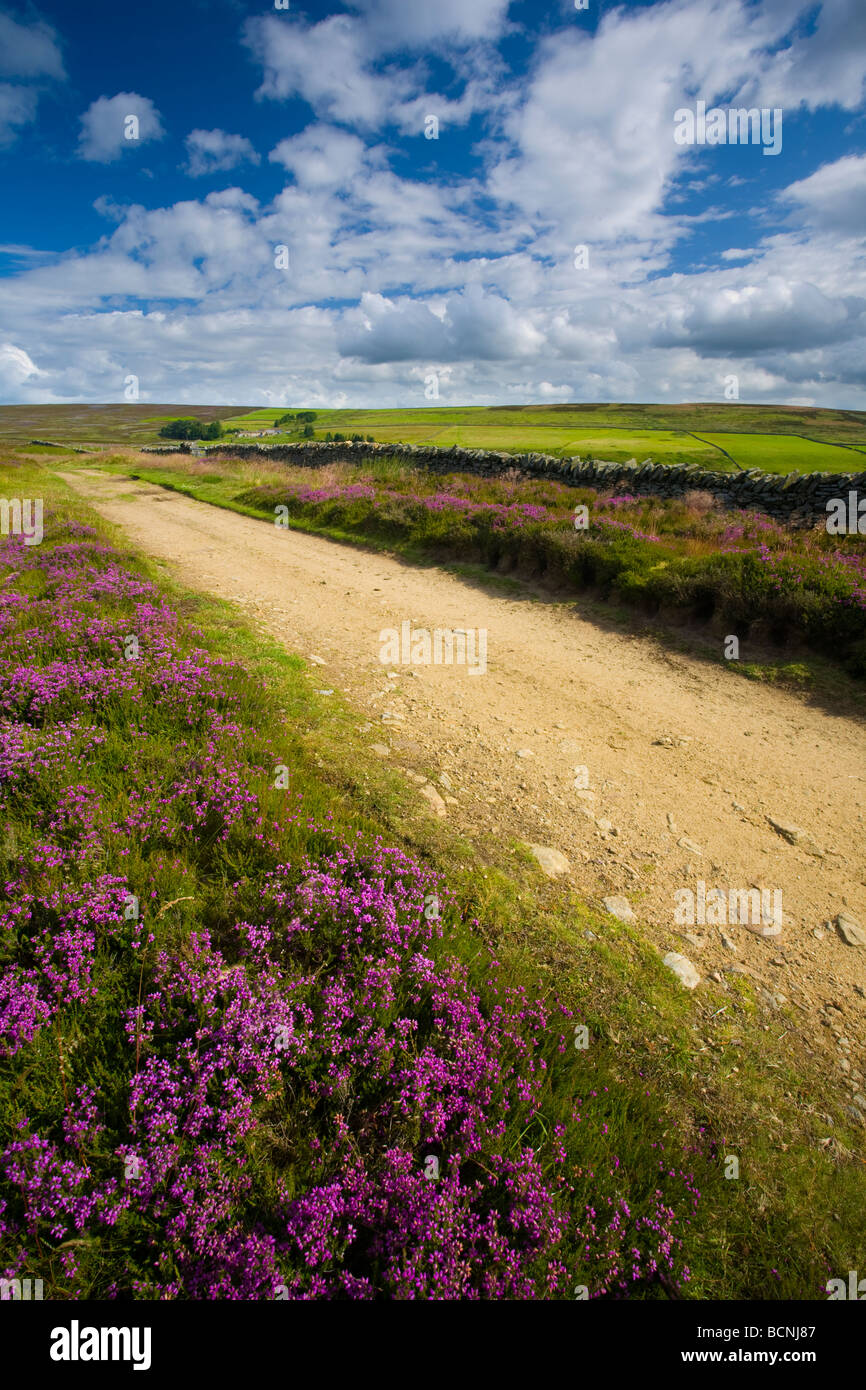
x: 287, y: 419
x: 309, y: 432
x: 187, y: 428
x: 306, y: 417
x: 212, y: 431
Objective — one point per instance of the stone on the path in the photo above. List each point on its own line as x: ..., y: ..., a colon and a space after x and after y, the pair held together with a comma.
x: 380, y: 749
x: 620, y: 908
x: 685, y: 843
x: 525, y: 753
x: 792, y: 833
x: 727, y: 942
x: 850, y: 930
x: 317, y: 660
x: 445, y: 781
x: 683, y: 969
x: 551, y: 861
x: 437, y: 805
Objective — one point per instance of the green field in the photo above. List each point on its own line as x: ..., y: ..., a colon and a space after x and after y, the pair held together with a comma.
x: 720, y: 437
x: 775, y: 439
x: 779, y: 453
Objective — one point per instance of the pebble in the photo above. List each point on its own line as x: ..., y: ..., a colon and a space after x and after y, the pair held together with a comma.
x: 380, y: 749
x: 683, y: 968
x: 792, y: 833
x: 551, y: 861
x: 685, y: 843
x: 850, y: 930
x: 436, y: 803
x: 619, y: 907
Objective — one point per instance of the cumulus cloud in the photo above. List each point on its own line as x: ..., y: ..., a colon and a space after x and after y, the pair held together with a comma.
x: 17, y: 109
x: 823, y: 66
x: 213, y: 151
x: 28, y: 53
x: 755, y: 317
x: 472, y: 326
x: 111, y: 125
x: 17, y: 368
x: 326, y: 65
x: 393, y: 24
x: 834, y: 196
x: 321, y: 156
x: 29, y: 50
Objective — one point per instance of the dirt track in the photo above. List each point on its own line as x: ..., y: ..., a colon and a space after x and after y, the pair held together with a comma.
x: 569, y: 694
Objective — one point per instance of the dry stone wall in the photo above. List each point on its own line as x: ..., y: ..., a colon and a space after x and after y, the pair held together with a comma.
x: 800, y: 498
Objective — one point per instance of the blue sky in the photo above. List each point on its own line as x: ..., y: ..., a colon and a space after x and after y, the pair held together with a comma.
x: 258, y: 128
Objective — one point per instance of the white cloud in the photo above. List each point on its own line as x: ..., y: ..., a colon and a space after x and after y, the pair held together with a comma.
x: 324, y: 64
x: 16, y: 369
x: 28, y: 50
x: 17, y: 108
x: 820, y: 68
x: 212, y: 151
x: 751, y: 318
x: 393, y: 24
x: 321, y: 156
x: 472, y: 326
x: 834, y: 196
x: 106, y: 126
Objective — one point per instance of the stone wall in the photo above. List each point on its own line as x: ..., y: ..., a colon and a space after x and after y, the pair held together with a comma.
x: 797, y: 497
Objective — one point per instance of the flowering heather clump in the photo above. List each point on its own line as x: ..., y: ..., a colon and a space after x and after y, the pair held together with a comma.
x: 242, y: 1098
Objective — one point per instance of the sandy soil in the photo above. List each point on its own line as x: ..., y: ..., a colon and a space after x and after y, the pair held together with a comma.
x: 685, y: 760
